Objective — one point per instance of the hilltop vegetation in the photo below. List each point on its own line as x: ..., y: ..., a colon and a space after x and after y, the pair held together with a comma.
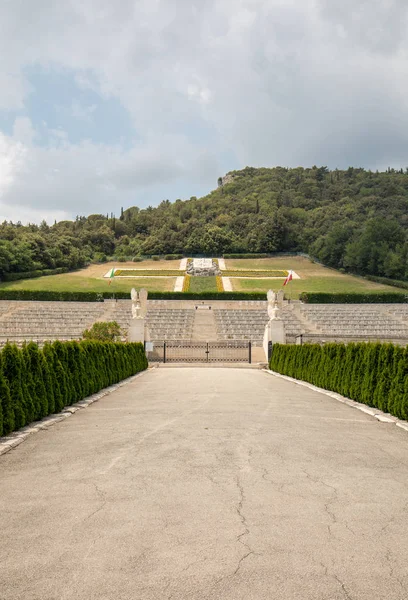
x: 355, y: 220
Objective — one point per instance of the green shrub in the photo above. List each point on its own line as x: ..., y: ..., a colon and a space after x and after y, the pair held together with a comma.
x: 155, y: 257
x: 137, y: 259
x: 372, y: 373
x: 12, y: 364
x: 385, y: 281
x: 103, y: 331
x: 40, y: 296
x: 34, y: 274
x: 173, y: 257
x: 7, y: 423
x: 353, y: 298
x: 247, y: 255
x: 37, y: 382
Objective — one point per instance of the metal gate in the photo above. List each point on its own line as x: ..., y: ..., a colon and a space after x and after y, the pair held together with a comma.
x: 206, y: 352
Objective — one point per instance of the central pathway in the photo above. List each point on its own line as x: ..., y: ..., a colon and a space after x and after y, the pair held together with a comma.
x: 207, y: 483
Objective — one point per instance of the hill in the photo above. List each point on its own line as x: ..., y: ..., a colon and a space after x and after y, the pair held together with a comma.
x: 355, y: 220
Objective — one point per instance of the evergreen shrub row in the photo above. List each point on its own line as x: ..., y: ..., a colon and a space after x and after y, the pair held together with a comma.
x: 36, y: 382
x: 353, y: 298
x: 372, y: 373
x: 43, y: 296
x: 384, y: 280
x: 33, y: 274
x: 246, y: 255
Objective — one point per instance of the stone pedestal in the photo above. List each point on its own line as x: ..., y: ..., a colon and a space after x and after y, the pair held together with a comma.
x: 136, y: 332
x: 275, y: 333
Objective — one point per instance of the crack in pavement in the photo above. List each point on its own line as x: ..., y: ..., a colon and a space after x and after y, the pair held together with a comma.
x: 343, y: 587
x: 244, y: 523
x: 102, y: 496
x: 391, y: 567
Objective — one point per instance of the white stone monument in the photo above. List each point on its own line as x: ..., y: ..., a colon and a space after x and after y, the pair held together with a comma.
x: 138, y: 331
x: 275, y: 328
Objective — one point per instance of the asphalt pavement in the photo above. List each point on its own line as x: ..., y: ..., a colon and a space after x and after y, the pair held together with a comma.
x: 207, y: 483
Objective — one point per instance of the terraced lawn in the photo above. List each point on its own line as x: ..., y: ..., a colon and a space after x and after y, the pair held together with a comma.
x: 203, y: 284
x: 72, y: 283
x: 315, y: 284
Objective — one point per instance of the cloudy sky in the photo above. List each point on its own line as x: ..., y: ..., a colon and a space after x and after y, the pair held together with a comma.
x: 107, y: 104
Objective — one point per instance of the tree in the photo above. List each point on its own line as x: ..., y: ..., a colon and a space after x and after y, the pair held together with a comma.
x: 103, y: 332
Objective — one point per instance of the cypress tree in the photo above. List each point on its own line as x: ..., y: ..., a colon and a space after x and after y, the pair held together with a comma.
x: 29, y: 378
x: 67, y: 387
x: 7, y: 413
x: 385, y: 360
x: 396, y: 392
x: 369, y: 383
x: 75, y: 369
x: 49, y: 385
x: 57, y: 378
x: 39, y: 392
x: 12, y: 367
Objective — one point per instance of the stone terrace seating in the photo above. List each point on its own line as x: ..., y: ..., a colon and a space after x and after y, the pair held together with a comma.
x: 250, y: 324
x: 48, y: 320
x: 163, y: 323
x: 355, y: 320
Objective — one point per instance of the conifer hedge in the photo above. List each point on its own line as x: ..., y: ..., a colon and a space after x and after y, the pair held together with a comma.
x: 36, y: 382
x: 353, y: 298
x: 372, y: 373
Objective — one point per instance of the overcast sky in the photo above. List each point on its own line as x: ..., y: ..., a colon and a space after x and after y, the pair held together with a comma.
x: 106, y: 104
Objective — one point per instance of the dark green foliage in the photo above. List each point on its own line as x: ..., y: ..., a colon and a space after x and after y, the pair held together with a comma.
x: 49, y: 385
x: 101, y: 331
x: 31, y: 379
x: 351, y: 219
x: 40, y: 295
x: 57, y: 400
x: 33, y: 274
x: 6, y: 409
x: 246, y: 255
x: 37, y: 382
x: 12, y: 371
x: 374, y: 374
x: 353, y: 298
x: 385, y: 281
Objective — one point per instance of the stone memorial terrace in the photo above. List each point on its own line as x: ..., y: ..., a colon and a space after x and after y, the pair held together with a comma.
x: 222, y: 321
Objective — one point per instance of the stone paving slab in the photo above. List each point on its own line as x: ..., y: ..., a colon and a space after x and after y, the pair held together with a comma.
x: 207, y: 484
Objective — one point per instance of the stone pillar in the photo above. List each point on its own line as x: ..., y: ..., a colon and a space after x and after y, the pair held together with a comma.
x: 136, y: 332
x: 275, y: 333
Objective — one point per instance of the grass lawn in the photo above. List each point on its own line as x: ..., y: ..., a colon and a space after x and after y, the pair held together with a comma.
x: 203, y: 284
x: 92, y: 279
x: 313, y: 277
x: 70, y: 282
x: 313, y: 284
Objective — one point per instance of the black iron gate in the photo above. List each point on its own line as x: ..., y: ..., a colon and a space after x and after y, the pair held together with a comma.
x: 179, y: 351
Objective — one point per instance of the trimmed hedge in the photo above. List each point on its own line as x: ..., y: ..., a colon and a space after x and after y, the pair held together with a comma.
x: 33, y: 274
x: 43, y: 296
x: 385, y: 281
x: 353, y: 298
x: 246, y: 255
x: 37, y: 382
x: 372, y: 373
x: 254, y: 273
x: 148, y: 273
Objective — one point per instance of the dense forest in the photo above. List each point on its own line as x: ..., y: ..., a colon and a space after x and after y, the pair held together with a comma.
x: 356, y: 220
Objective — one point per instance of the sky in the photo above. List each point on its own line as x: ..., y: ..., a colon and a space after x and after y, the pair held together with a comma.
x: 107, y: 104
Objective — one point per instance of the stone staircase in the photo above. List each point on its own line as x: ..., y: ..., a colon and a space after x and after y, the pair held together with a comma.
x: 204, y: 327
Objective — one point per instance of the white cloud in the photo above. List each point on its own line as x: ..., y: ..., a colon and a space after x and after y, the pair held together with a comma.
x: 269, y: 81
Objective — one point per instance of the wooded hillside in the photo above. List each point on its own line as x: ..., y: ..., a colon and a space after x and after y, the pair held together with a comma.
x: 355, y: 220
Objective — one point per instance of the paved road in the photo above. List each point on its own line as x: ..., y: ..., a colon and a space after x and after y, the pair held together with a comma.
x: 207, y: 484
